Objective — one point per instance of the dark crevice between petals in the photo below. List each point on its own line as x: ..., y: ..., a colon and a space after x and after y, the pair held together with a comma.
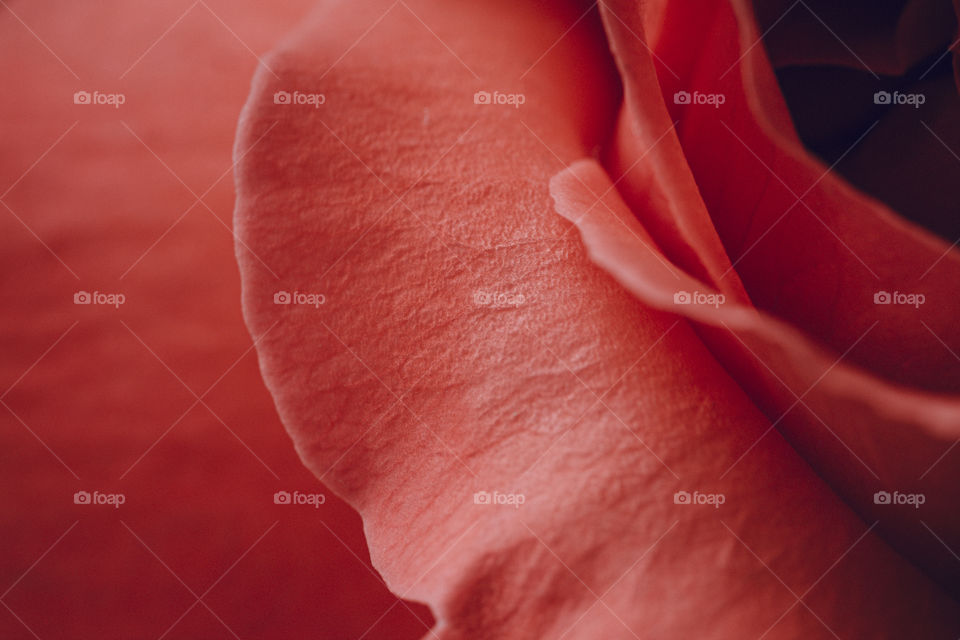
x: 908, y: 157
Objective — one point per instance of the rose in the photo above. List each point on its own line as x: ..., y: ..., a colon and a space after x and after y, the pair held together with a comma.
x: 213, y: 316
x: 592, y: 404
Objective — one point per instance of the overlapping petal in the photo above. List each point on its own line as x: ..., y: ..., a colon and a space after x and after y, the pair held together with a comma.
x: 517, y: 431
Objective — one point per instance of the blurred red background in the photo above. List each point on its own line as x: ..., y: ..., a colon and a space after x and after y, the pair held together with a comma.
x: 160, y: 399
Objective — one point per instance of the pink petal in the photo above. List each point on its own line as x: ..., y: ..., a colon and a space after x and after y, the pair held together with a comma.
x: 466, y: 344
x: 872, y: 416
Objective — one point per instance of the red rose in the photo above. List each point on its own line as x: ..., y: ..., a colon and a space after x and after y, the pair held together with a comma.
x: 609, y: 319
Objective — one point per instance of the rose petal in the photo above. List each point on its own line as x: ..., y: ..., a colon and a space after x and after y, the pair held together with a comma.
x: 862, y: 432
x: 411, y: 392
x: 817, y: 263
